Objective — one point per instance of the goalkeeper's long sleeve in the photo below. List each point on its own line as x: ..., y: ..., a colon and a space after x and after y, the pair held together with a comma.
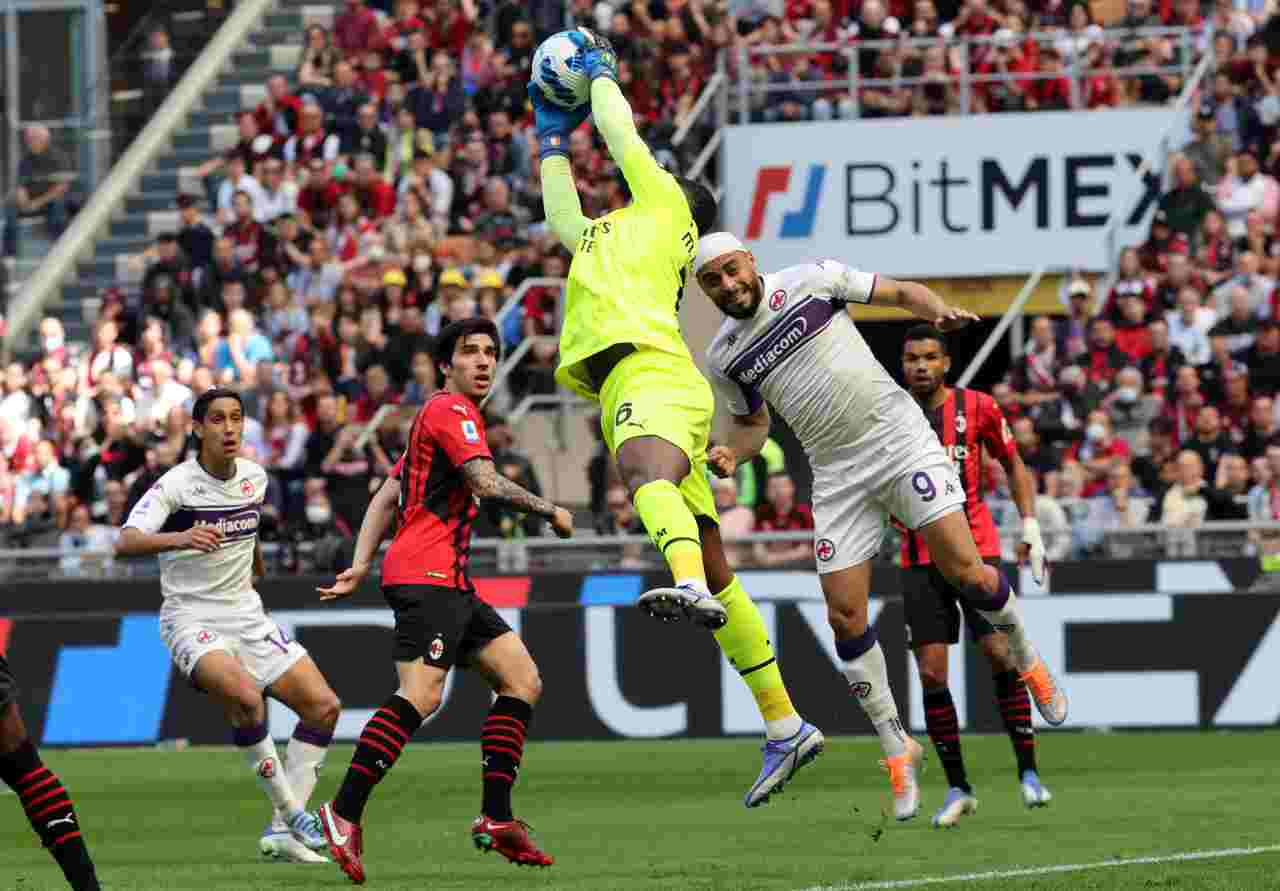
x: 560, y: 201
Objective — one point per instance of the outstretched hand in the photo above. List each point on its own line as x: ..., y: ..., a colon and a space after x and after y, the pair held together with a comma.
x: 953, y: 319
x: 345, y: 584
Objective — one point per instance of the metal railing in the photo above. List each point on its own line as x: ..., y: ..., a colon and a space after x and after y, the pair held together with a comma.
x: 590, y: 552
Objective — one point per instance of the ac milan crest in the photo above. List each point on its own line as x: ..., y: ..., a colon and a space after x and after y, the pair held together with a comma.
x: 436, y: 650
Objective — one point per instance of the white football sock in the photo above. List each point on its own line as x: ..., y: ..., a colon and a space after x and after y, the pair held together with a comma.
x: 869, y: 683
x: 783, y: 728
x: 1009, y: 620
x: 265, y: 764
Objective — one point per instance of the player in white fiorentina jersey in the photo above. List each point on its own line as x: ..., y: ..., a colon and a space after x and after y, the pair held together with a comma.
x: 789, y: 340
x: 201, y: 520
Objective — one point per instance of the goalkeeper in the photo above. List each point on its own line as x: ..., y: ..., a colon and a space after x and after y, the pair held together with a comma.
x: 620, y: 346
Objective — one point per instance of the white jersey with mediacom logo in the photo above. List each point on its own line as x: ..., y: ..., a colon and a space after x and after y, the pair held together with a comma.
x: 188, y: 496
x: 872, y: 450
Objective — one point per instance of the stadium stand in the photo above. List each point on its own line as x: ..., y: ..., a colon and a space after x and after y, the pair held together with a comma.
x: 360, y: 175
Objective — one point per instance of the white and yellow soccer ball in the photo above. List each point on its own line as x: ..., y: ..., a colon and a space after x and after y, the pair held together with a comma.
x: 559, y: 72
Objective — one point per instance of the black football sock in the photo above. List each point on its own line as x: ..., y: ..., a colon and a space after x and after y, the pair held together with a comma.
x: 49, y: 809
x: 944, y: 729
x: 502, y: 746
x: 1015, y: 709
x: 380, y: 745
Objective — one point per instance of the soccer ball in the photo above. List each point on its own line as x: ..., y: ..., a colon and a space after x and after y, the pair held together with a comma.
x: 558, y: 71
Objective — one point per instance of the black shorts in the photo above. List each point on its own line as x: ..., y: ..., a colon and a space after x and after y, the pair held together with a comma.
x: 933, y: 607
x: 8, y: 685
x: 444, y: 626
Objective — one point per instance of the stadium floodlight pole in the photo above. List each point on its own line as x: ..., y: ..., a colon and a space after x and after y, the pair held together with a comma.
x: 1010, y: 314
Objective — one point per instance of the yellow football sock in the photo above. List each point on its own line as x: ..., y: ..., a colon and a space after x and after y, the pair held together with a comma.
x: 744, y: 640
x: 672, y: 529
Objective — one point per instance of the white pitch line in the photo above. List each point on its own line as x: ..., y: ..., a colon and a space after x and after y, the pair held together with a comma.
x: 1047, y: 870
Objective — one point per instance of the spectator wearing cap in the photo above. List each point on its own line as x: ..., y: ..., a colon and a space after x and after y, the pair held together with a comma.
x: 455, y: 300
x: 237, y: 181
x: 1208, y: 150
x: 1242, y: 190
x: 355, y: 29
x: 1132, y: 336
x: 195, y: 238
x: 1187, y: 203
x: 1162, y: 242
x: 1189, y: 326
x: 1073, y: 331
x: 1263, y: 358
x: 312, y: 142
x: 365, y: 136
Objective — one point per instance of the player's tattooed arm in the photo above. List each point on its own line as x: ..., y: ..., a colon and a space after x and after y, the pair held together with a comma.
x: 485, y: 481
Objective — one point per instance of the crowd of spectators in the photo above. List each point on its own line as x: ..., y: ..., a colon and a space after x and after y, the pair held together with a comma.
x: 392, y: 184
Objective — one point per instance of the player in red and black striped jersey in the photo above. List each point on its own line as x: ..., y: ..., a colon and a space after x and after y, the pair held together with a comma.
x: 440, y: 622
x: 43, y: 797
x: 969, y: 425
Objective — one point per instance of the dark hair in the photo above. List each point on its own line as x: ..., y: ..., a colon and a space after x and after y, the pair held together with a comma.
x: 928, y: 332
x: 702, y: 204
x: 459, y: 330
x: 205, y: 399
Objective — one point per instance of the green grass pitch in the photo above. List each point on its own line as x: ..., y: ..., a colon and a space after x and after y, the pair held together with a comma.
x: 668, y: 815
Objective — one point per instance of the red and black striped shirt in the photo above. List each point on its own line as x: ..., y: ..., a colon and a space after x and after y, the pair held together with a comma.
x: 433, y: 543
x: 965, y: 422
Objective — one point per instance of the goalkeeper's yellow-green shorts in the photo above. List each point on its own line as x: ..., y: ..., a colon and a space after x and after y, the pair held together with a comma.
x: 652, y: 393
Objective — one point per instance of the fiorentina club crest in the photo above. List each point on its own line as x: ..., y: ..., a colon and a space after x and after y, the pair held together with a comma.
x: 825, y: 549
x: 436, y: 650
x: 204, y: 637
x: 777, y: 299
x: 246, y: 486
x: 860, y: 689
x: 267, y: 769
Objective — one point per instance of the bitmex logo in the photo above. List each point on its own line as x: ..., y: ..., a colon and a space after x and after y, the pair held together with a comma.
x: 795, y: 223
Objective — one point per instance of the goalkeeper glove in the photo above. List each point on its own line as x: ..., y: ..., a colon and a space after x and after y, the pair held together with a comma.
x: 598, y: 57
x: 553, y: 124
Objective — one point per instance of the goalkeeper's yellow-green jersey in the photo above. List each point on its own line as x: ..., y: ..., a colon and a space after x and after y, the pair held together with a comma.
x: 629, y: 266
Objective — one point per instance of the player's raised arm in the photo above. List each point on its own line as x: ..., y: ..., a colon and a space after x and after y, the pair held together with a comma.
x: 849, y: 285
x: 484, y: 481
x: 373, y: 528
x: 560, y: 198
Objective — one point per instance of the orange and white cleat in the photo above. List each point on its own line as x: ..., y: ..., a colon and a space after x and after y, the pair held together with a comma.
x: 511, y: 839
x: 904, y: 777
x: 345, y: 842
x: 1050, y: 698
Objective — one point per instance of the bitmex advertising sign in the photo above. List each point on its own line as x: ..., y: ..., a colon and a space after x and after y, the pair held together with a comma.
x: 91, y: 677
x: 970, y: 196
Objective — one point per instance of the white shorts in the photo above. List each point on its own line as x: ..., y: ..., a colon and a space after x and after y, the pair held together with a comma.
x: 247, y: 633
x: 850, y: 510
